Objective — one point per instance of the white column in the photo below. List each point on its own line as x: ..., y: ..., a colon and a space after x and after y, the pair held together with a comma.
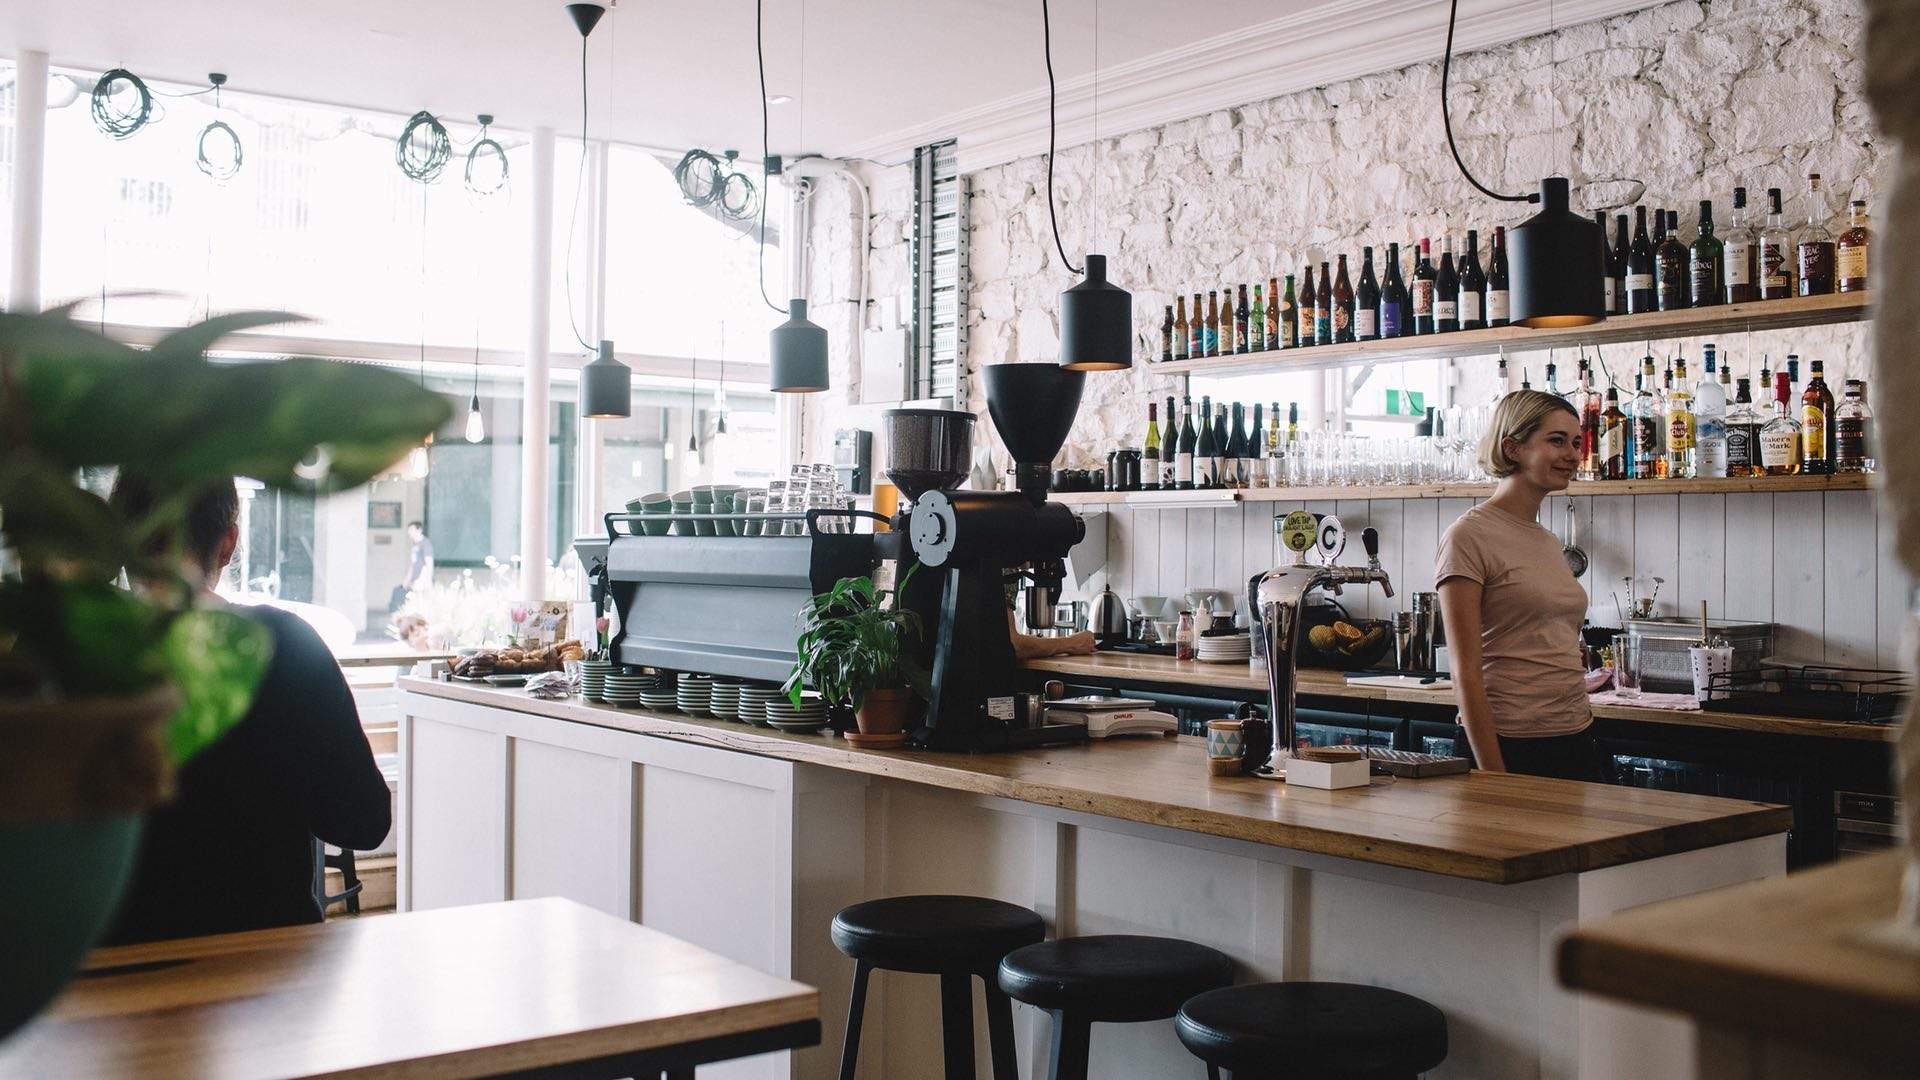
x: 29, y: 177
x: 533, y: 424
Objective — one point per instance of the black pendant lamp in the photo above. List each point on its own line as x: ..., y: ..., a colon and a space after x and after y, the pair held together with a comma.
x: 606, y: 387
x: 798, y: 356
x: 1096, y: 316
x: 1556, y: 259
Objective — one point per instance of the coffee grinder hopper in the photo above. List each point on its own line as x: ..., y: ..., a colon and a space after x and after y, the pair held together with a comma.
x: 1033, y: 408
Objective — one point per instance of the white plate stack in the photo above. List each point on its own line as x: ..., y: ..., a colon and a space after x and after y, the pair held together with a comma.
x: 695, y: 695
x: 753, y: 703
x: 593, y: 678
x: 658, y: 695
x: 625, y: 688
x: 809, y: 716
x: 726, y: 699
x: 1224, y: 649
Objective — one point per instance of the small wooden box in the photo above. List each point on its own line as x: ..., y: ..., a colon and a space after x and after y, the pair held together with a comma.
x: 1331, y: 775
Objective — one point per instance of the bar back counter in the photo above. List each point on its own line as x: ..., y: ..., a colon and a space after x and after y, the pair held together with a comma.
x: 746, y: 841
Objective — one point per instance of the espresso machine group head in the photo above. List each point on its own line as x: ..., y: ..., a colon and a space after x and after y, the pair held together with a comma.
x: 970, y: 540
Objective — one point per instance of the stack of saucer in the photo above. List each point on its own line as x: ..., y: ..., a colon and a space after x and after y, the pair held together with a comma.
x: 726, y: 699
x: 810, y: 716
x: 753, y: 703
x: 695, y: 696
x: 658, y: 695
x: 625, y: 688
x: 593, y: 678
x: 1224, y: 649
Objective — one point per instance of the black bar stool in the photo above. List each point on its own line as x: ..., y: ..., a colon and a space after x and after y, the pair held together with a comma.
x: 1108, y: 979
x: 1311, y: 1029
x: 954, y: 937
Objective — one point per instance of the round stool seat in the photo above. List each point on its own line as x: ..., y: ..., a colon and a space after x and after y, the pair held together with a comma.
x: 1314, y: 1029
x: 1115, y: 978
x: 935, y: 935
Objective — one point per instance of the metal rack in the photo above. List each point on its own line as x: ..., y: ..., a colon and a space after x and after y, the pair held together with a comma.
x: 1846, y: 695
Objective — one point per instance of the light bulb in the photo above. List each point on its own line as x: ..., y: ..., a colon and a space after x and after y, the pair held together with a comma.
x: 418, y: 462
x: 476, y: 425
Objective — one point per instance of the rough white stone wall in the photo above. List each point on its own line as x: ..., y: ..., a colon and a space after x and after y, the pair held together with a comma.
x: 1690, y: 97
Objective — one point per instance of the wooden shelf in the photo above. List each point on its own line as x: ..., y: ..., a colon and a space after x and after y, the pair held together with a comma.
x: 1192, y: 500
x: 1688, y: 322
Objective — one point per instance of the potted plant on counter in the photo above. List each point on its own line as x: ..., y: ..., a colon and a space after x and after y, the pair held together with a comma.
x: 105, y: 690
x: 853, y: 651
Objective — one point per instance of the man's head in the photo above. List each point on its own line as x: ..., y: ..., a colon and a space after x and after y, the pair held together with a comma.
x: 415, y: 530
x: 207, y: 535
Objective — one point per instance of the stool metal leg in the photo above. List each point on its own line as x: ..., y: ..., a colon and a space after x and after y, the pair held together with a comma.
x: 956, y: 1024
x: 850, y: 1050
x: 1071, y: 1034
x: 1006, y: 1064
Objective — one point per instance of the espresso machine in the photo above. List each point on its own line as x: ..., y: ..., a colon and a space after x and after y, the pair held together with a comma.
x: 970, y: 545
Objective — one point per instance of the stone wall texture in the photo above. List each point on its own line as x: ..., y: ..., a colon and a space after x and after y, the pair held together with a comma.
x: 1690, y: 97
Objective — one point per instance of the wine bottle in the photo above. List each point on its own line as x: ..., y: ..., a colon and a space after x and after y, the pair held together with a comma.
x: 1343, y: 303
x: 1256, y: 450
x: 1170, y: 452
x: 1206, y: 455
x: 1617, y: 266
x: 1393, y: 297
x: 1305, y: 308
x: 1424, y: 281
x: 1220, y: 445
x: 1446, y: 291
x: 1323, y: 308
x: 1670, y: 264
x: 1150, y: 451
x: 1706, y: 262
x: 1473, y: 286
x: 1189, y: 449
x: 1366, y: 304
x: 1640, y: 292
x: 1499, y: 300
x: 1236, y: 457
x: 1166, y: 336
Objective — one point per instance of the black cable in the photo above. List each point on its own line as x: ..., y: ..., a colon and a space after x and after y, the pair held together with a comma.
x: 1046, y: 40
x: 702, y: 188
x: 484, y: 143
x: 1446, y: 118
x: 760, y: 55
x: 573, y: 219
x: 426, y: 161
x: 119, y: 123
x: 225, y: 170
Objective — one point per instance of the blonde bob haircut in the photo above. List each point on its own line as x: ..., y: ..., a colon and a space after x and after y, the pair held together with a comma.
x: 1517, y: 417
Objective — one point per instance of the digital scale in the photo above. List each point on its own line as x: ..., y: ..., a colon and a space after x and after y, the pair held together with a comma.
x: 1105, y: 717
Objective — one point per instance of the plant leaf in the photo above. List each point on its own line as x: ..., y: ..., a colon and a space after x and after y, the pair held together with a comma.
x: 217, y: 659
x: 192, y: 342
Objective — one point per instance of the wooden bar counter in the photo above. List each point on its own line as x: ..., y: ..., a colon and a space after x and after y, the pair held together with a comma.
x: 745, y: 841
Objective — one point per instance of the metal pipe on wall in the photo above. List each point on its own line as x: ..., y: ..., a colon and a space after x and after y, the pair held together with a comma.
x: 29, y: 178
x: 534, y: 452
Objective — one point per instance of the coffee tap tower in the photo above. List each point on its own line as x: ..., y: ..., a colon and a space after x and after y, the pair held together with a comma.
x: 971, y: 544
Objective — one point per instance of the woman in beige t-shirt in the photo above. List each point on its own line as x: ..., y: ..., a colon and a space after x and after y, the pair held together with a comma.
x: 1511, y: 607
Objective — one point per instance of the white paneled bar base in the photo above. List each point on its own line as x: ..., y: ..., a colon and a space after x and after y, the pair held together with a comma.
x: 750, y: 855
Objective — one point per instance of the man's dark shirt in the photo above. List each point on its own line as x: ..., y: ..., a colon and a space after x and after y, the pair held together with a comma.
x: 233, y: 849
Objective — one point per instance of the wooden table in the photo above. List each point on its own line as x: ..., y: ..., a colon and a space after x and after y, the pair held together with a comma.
x: 470, y: 991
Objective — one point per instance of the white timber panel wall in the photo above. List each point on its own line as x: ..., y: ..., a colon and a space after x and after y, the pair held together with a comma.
x: 1818, y: 564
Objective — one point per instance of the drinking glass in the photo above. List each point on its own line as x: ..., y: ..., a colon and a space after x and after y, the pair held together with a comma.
x: 1626, y: 665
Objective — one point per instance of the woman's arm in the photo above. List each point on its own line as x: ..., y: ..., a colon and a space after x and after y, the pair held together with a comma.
x: 1460, y: 610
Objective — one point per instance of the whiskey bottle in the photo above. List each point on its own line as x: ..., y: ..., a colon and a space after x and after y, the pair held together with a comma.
x: 1705, y: 263
x: 1499, y: 299
x: 1670, y: 264
x: 1853, y: 431
x: 1682, y: 425
x: 1640, y: 267
x: 1343, y: 303
x: 1816, y: 243
x: 1739, y: 254
x: 1181, y: 332
x: 1616, y: 460
x: 1257, y: 322
x: 1816, y: 424
x: 1776, y: 255
x: 1780, y: 435
x: 1852, y: 256
x: 1743, y: 433
x: 1242, y: 313
x: 1166, y: 336
x: 1307, y: 303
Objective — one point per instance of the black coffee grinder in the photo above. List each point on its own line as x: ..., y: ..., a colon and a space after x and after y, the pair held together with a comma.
x: 970, y: 544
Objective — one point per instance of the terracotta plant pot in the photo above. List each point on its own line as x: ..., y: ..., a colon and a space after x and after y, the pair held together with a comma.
x: 882, y: 718
x: 74, y: 781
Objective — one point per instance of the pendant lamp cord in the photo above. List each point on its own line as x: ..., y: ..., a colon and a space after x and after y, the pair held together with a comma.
x: 1446, y: 117
x: 1046, y: 43
x: 760, y: 56
x: 573, y: 219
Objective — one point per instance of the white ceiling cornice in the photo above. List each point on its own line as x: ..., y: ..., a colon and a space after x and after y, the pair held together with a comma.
x: 1335, y: 41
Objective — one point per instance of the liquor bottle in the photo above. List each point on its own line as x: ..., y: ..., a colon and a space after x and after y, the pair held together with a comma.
x: 1289, y: 319
x: 1276, y: 452
x: 1446, y: 291
x: 1273, y: 310
x: 1682, y: 424
x: 1743, y: 433
x: 1590, y: 410
x: 1816, y: 243
x: 1170, y: 451
x: 1615, y: 458
x: 1500, y: 377
x: 1793, y: 373
x: 1645, y: 436
x: 1150, y: 451
x: 1242, y: 312
x: 1606, y: 263
x: 1739, y: 253
x: 1180, y: 333
x: 1343, y: 303
x: 1183, y: 474
x: 1393, y: 297
x: 1206, y: 456
x: 1256, y: 450
x: 1816, y: 424
x: 1197, y: 330
x: 1166, y: 336
x: 1366, y: 301
x: 1853, y: 431
x: 1780, y: 435
x: 1710, y: 421
x: 1307, y: 302
x: 1553, y: 380
x: 1293, y: 424
x: 1257, y: 322
x: 1670, y: 264
x: 1706, y: 265
x: 1617, y: 266
x: 1425, y: 284
x: 1776, y: 254
x: 1499, y: 300
x: 1473, y: 286
x: 1661, y: 393
x: 1213, y: 322
x: 1640, y: 266
x: 1323, y: 308
x: 1226, y: 321
x: 1851, y: 259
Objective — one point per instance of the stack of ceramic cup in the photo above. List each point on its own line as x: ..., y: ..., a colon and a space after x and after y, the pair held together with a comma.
x: 809, y: 716
x: 753, y: 703
x: 695, y: 695
x: 593, y: 678
x: 726, y: 699
x: 658, y: 695
x: 624, y: 688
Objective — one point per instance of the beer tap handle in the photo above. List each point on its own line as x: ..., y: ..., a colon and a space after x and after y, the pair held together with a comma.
x: 1370, y: 539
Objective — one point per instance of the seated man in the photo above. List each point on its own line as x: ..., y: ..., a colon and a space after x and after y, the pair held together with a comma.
x: 233, y: 850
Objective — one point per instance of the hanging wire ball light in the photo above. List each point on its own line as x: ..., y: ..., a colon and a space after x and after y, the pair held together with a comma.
x: 486, y: 171
x: 121, y: 104
x: 218, y: 153
x: 423, y: 148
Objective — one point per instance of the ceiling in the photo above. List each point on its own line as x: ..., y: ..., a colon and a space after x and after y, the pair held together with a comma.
x: 663, y: 75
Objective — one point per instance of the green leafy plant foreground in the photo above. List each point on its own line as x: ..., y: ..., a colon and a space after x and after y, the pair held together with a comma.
x: 73, y: 400
x: 853, y: 639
